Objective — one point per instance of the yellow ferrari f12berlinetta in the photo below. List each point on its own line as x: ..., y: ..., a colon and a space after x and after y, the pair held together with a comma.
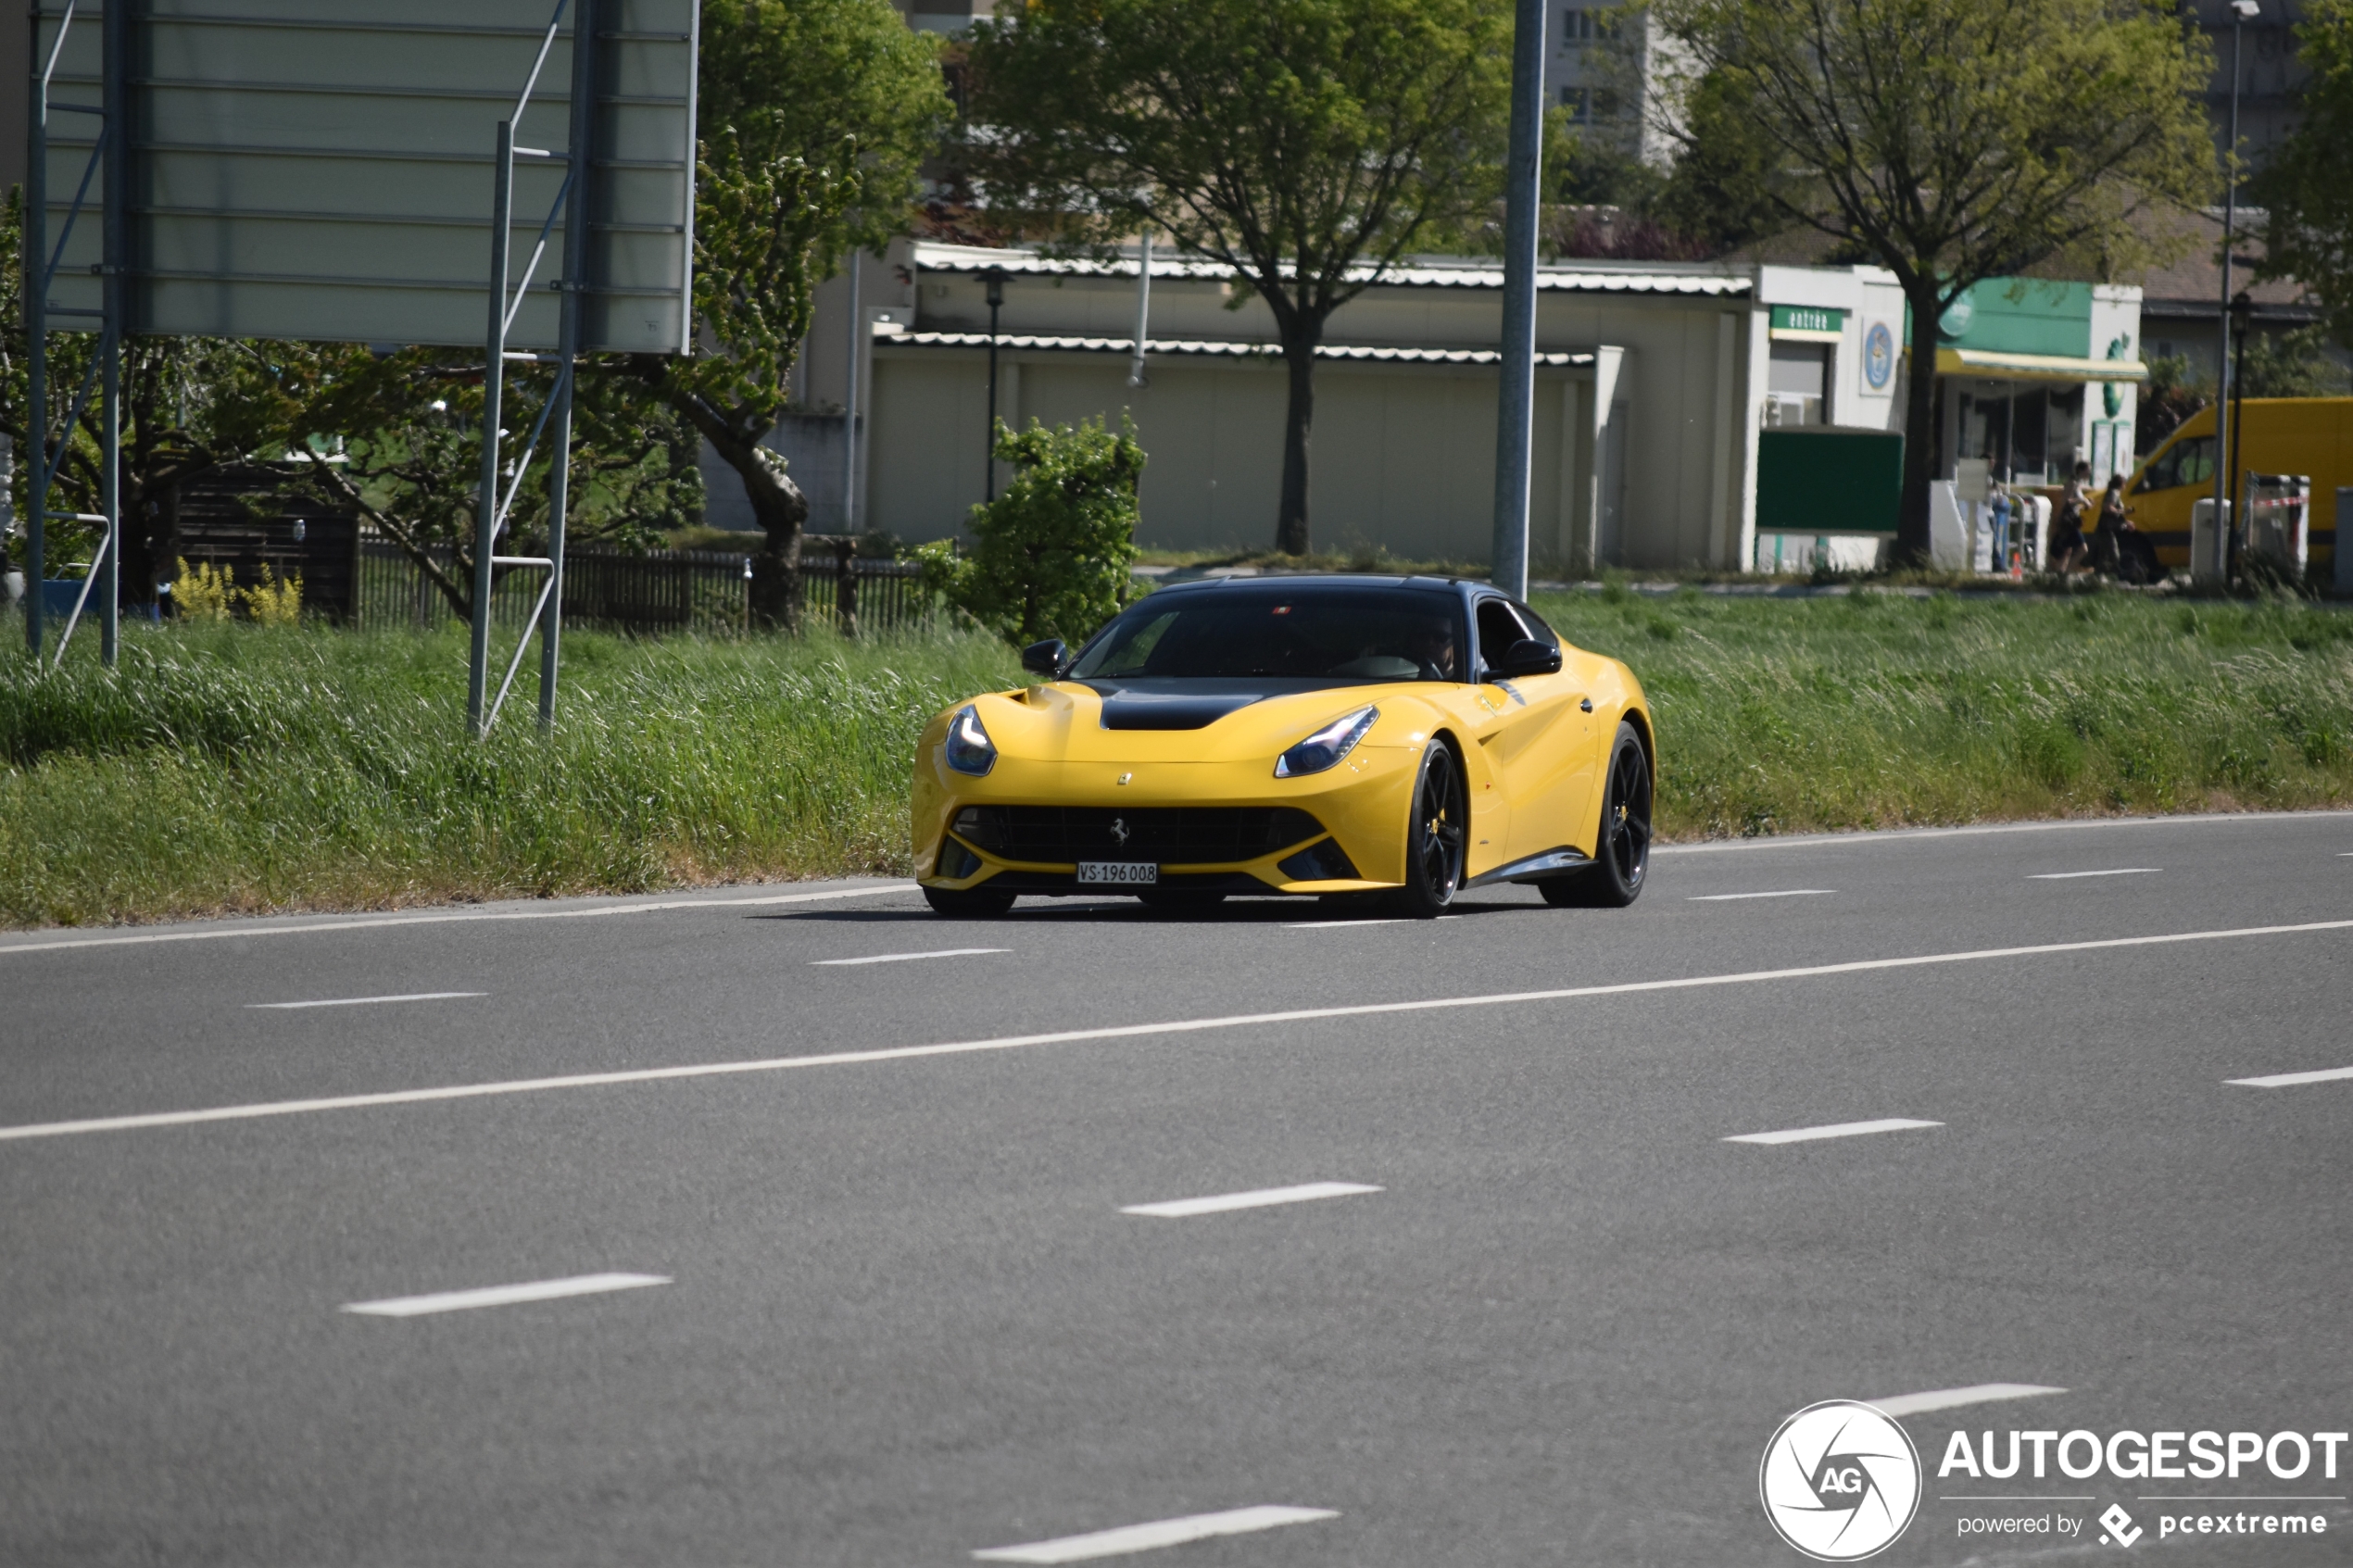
x: 1402, y: 737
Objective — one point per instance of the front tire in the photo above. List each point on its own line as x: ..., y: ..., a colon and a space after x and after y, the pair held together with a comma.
x: 1622, y: 847
x: 968, y: 903
x: 1435, y: 836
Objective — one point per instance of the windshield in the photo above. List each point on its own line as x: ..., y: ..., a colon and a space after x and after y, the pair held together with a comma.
x: 1327, y: 634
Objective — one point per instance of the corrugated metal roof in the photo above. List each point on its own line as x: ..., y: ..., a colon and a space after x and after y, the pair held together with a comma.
x: 1554, y: 279
x: 1221, y: 349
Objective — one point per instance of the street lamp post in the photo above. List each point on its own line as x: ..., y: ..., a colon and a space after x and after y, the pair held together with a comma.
x: 995, y: 278
x: 2242, y: 313
x: 2242, y: 12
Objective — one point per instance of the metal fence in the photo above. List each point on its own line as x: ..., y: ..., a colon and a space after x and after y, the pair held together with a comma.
x: 698, y: 590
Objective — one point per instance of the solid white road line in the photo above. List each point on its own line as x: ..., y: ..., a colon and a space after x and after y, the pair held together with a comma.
x: 1785, y: 893
x: 903, y: 957
x: 1130, y: 1031
x: 368, y: 1001
x: 1145, y: 1537
x: 1185, y: 1208
x: 2288, y: 1080
x: 1909, y: 835
x: 502, y: 1295
x: 1328, y: 924
x: 1946, y: 1399
x: 2070, y: 876
x: 1835, y: 1129
x: 210, y: 934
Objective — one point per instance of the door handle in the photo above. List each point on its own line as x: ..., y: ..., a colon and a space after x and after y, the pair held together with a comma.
x: 1586, y: 703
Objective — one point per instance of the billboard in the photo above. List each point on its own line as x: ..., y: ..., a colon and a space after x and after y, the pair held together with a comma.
x: 324, y: 169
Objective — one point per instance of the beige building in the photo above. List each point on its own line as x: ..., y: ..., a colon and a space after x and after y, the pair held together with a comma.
x: 1653, y: 384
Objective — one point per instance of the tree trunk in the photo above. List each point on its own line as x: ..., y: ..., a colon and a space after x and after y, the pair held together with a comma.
x: 1298, y: 357
x: 781, y: 510
x: 776, y: 502
x: 1919, y: 430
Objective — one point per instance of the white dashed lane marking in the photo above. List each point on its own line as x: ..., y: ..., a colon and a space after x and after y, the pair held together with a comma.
x: 1785, y: 893
x: 1185, y: 1208
x: 1161, y: 1533
x: 369, y: 1002
x: 907, y: 957
x: 2289, y: 1080
x: 502, y: 1295
x: 2070, y: 876
x: 1946, y: 1399
x: 1835, y: 1129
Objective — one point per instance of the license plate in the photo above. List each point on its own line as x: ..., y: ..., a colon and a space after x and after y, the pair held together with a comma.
x: 1119, y: 873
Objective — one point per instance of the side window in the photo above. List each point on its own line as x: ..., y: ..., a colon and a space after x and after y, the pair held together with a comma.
x: 1536, y: 626
x: 1498, y: 629
x: 2185, y: 462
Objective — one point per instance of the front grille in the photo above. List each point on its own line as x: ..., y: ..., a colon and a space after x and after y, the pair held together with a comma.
x: 1170, y: 834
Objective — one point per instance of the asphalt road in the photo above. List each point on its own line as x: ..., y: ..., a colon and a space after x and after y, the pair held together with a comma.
x: 904, y: 1318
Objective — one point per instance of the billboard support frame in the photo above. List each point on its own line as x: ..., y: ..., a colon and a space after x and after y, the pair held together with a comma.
x: 40, y: 269
x: 490, y: 513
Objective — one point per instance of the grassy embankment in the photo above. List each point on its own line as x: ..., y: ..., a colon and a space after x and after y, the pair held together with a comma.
x: 234, y: 767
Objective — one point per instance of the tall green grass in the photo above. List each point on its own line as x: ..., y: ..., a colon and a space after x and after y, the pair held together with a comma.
x: 233, y: 768
x: 237, y: 768
x: 1873, y: 710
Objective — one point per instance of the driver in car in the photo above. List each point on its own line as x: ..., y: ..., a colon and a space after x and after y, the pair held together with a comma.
x: 1432, y: 648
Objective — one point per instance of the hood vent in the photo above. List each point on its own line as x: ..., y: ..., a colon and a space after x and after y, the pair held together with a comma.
x: 1172, y: 710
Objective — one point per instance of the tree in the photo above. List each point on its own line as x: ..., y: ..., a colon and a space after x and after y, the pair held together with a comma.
x: 1952, y: 141
x: 399, y: 438
x: 815, y: 117
x: 1053, y: 555
x: 2290, y: 364
x: 2303, y: 187
x: 1305, y: 145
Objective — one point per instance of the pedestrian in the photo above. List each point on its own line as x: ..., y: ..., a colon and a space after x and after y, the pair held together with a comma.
x: 2131, y: 555
x: 2068, y: 549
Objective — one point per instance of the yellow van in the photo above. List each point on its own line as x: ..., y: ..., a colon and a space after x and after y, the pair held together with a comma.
x: 2306, y: 436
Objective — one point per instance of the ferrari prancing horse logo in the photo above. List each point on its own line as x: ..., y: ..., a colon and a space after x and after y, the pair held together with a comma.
x: 1119, y: 831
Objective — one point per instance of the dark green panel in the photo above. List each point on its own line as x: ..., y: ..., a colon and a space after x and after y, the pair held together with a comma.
x: 1827, y: 479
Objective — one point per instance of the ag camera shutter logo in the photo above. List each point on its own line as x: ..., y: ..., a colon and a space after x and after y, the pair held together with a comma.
x: 1840, y: 1481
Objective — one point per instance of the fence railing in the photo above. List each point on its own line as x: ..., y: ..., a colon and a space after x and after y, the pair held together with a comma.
x: 698, y: 591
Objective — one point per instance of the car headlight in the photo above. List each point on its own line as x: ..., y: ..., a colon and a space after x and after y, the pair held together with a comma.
x: 1327, y: 746
x: 969, y: 749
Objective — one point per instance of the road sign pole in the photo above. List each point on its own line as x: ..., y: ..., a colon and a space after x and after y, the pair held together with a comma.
x: 1517, y: 373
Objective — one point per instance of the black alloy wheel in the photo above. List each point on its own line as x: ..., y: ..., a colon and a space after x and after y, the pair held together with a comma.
x: 970, y: 903
x: 1622, y: 850
x: 1435, y: 835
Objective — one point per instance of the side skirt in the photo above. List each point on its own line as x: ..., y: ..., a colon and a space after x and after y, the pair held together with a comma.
x: 1535, y: 868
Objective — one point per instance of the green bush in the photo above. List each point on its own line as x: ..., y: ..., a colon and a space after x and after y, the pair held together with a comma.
x: 1055, y: 553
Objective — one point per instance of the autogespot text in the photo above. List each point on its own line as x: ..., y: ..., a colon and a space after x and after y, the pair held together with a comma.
x: 2156, y: 1456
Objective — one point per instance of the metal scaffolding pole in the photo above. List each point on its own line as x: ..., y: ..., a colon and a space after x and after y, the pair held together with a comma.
x: 115, y: 256
x: 576, y: 268
x: 36, y: 328
x: 490, y: 508
x: 494, y: 374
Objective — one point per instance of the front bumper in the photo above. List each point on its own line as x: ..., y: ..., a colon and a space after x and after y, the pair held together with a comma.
x: 1358, y: 809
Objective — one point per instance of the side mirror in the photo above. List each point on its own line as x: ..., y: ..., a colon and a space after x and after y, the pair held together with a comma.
x: 1048, y: 658
x: 1526, y: 657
